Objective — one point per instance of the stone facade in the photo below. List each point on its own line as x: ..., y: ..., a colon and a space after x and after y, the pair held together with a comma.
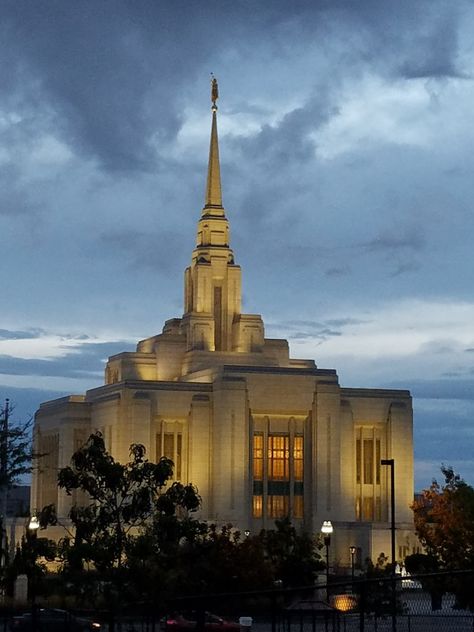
x: 262, y: 435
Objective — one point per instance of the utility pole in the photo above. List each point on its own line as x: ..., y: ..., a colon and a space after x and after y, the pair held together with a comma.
x: 4, y: 482
x: 391, y: 465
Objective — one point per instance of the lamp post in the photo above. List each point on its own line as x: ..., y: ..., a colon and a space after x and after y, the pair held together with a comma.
x: 327, y: 530
x: 32, y: 529
x: 352, y: 549
x: 391, y: 465
x: 4, y: 476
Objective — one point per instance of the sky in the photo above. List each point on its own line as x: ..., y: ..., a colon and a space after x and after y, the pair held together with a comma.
x: 346, y: 145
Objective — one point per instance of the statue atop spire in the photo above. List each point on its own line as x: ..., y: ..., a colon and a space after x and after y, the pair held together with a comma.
x: 213, y: 186
x: 214, y: 92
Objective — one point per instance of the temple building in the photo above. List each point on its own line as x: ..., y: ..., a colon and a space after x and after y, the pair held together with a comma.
x: 262, y: 435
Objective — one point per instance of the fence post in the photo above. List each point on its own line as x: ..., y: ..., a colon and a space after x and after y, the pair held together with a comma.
x: 362, y: 596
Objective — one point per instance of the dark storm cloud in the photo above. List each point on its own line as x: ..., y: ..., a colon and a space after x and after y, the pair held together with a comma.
x: 337, y: 271
x: 313, y: 330
x: 15, y: 199
x: 143, y: 249
x: 84, y: 361
x: 24, y: 401
x: 323, y: 334
x: 461, y: 389
x: 288, y: 142
x: 396, y: 239
x: 437, y: 52
x: 108, y: 73
x: 399, y: 247
x: 111, y: 77
x: 406, y: 267
x: 8, y: 334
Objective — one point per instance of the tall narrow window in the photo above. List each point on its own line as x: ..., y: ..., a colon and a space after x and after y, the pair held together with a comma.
x: 257, y: 506
x: 218, y: 318
x: 48, y: 469
x: 298, y: 508
x: 178, y: 455
x: 368, y: 461
x: 368, y: 451
x: 277, y: 506
x: 170, y: 445
x: 377, y: 461
x: 298, y: 458
x: 278, y: 458
x: 278, y: 480
x: 258, y: 452
x: 358, y: 460
x: 368, y: 508
x: 298, y: 471
x: 258, y: 457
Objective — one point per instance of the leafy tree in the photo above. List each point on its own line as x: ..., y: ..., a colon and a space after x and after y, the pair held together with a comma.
x: 16, y: 457
x: 444, y: 522
x: 293, y: 556
x: 427, y: 567
x: 16, y: 452
x: 31, y: 557
x: 123, y: 499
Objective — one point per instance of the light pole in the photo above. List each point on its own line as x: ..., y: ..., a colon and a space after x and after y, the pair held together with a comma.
x: 391, y: 465
x: 327, y: 530
x: 4, y: 477
x: 32, y: 528
x: 352, y: 549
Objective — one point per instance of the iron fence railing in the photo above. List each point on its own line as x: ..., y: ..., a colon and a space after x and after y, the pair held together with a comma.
x: 440, y: 602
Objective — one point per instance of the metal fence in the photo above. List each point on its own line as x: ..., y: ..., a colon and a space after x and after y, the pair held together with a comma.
x: 436, y: 602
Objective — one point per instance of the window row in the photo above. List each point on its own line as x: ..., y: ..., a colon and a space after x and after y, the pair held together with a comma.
x: 278, y: 463
x: 278, y: 473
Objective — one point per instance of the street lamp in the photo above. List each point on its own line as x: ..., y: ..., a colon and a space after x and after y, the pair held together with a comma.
x: 391, y: 465
x: 352, y: 549
x: 32, y: 529
x: 327, y: 530
x: 33, y: 526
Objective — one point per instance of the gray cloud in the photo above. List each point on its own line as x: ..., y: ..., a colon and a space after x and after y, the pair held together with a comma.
x: 437, y: 55
x: 86, y: 236
x: 337, y: 271
x: 438, y: 389
x: 312, y: 330
x: 110, y: 76
x: 86, y: 360
x: 8, y: 334
x: 140, y: 248
x: 397, y: 239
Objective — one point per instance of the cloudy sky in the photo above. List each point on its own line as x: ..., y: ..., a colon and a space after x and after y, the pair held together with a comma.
x: 346, y: 142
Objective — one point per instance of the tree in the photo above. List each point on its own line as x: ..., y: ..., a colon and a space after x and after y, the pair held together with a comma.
x: 293, y: 556
x: 427, y: 567
x: 16, y: 457
x: 444, y: 521
x: 16, y: 452
x: 123, y: 498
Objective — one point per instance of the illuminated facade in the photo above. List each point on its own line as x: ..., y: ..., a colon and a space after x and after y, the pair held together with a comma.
x: 261, y: 435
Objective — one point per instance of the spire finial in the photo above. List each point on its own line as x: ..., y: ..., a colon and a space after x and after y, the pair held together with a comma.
x: 213, y: 187
x: 214, y: 92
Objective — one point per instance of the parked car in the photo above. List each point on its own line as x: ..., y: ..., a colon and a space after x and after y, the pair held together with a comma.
x: 186, y: 621
x: 53, y: 620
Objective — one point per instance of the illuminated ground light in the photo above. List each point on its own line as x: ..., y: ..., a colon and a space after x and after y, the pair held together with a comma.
x: 344, y: 602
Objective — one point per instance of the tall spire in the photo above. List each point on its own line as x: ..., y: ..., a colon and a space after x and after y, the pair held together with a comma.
x: 213, y: 187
